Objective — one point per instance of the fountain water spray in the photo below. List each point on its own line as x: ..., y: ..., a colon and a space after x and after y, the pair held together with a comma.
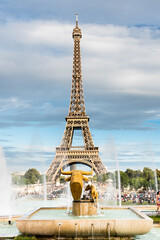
x: 108, y: 226
x: 59, y: 231
x: 5, y: 187
x: 45, y: 189
x: 151, y: 154
x: 76, y: 230
x: 69, y: 197
x: 119, y: 179
x: 115, y: 168
x: 92, y: 229
x: 155, y: 173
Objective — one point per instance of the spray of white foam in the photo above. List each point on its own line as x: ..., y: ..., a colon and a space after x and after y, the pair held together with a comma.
x: 5, y: 186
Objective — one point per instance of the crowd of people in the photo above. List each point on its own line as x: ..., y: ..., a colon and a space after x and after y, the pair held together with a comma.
x: 147, y: 197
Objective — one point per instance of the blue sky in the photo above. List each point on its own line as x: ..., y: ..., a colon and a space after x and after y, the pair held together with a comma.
x: 121, y: 78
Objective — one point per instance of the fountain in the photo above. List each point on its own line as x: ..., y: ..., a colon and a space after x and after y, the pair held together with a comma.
x: 5, y: 187
x: 84, y: 220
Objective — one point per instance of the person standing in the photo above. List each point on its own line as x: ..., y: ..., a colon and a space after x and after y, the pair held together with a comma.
x: 158, y: 200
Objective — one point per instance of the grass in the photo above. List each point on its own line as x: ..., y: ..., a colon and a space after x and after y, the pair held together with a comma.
x: 131, y: 203
x: 156, y: 219
x: 24, y: 237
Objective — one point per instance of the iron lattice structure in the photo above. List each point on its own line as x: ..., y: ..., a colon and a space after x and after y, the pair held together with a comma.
x: 76, y: 119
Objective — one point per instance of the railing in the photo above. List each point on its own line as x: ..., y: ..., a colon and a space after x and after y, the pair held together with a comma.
x: 77, y: 148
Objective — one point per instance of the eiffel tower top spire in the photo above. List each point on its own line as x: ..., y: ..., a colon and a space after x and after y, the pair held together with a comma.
x: 77, y: 106
x: 77, y: 20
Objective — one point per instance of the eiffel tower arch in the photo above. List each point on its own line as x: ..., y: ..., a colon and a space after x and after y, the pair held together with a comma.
x: 66, y: 154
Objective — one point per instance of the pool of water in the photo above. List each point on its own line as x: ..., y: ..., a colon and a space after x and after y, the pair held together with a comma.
x: 25, y: 205
x: 49, y: 214
x: 154, y: 234
x: 8, y: 230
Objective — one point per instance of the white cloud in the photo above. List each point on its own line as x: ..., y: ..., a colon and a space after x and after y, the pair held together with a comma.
x: 12, y: 104
x: 36, y: 68
x: 122, y: 59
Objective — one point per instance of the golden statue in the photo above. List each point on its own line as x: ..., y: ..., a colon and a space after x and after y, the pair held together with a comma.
x: 93, y: 192
x: 76, y: 182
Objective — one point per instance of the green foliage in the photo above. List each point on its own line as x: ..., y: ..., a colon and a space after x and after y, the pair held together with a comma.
x: 133, y: 179
x: 156, y: 219
x: 103, y: 178
x: 148, y: 174
x: 138, y: 182
x: 62, y: 179
x: 32, y: 176
x: 24, y: 237
x: 124, y: 179
x: 138, y: 173
x: 17, y: 179
x: 41, y: 178
x: 130, y: 173
x: 158, y: 173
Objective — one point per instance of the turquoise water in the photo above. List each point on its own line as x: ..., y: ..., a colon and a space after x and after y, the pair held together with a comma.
x: 8, y: 230
x: 49, y: 214
x: 154, y: 234
x: 25, y: 205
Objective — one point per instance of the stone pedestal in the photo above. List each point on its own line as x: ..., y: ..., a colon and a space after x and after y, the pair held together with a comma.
x: 84, y: 208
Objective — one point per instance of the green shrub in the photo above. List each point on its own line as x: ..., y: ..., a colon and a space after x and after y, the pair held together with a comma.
x: 24, y: 237
x: 156, y: 219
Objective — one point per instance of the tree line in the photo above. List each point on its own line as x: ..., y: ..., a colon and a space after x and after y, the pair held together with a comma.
x: 133, y: 179
x: 31, y: 176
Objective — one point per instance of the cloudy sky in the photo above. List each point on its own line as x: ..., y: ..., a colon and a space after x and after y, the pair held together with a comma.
x: 120, y: 51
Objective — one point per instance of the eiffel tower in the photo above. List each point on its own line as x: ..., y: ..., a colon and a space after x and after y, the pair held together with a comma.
x: 66, y: 154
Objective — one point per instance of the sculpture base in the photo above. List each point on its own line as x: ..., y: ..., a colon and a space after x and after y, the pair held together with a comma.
x: 84, y: 208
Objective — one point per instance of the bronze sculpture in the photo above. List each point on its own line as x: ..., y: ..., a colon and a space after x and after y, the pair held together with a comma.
x: 93, y: 192
x: 76, y: 182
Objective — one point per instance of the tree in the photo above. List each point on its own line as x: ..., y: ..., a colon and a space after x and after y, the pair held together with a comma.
x: 158, y: 173
x: 138, y: 182
x: 102, y: 178
x: 124, y: 179
x: 32, y: 176
x: 130, y: 173
x: 148, y: 174
x: 138, y: 173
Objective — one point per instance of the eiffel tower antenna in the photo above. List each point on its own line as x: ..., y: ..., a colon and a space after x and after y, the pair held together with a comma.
x: 77, y: 119
x: 77, y: 20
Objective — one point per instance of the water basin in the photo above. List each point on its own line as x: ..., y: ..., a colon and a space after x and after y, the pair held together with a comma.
x: 114, y: 222
x: 49, y: 214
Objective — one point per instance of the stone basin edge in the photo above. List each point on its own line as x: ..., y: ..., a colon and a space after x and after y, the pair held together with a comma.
x: 85, y: 227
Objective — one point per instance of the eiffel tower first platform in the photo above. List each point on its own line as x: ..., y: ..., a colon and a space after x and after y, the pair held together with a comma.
x: 66, y: 154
